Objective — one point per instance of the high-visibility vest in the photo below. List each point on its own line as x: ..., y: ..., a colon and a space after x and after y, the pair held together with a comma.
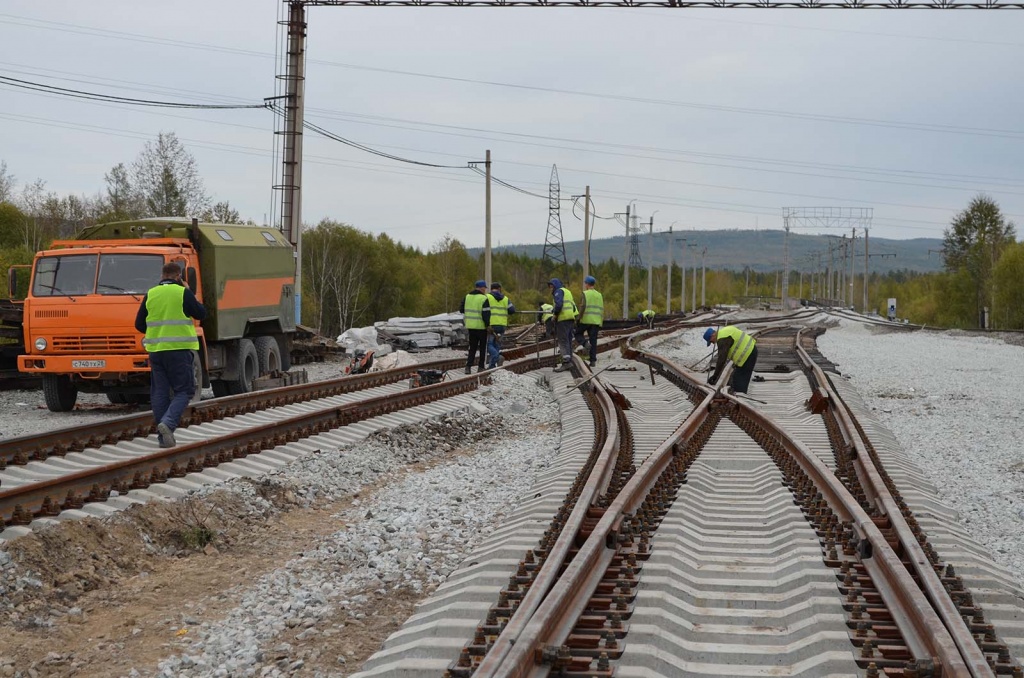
x: 648, y: 314
x: 167, y: 326
x: 499, y: 310
x: 742, y: 344
x: 593, y: 312
x: 475, y: 311
x: 547, y: 315
x: 568, y: 306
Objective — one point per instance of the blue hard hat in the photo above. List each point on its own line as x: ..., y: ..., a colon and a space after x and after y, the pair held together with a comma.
x: 707, y: 335
x: 590, y: 280
x: 481, y: 283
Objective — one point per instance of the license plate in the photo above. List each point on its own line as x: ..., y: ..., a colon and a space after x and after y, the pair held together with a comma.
x: 83, y: 364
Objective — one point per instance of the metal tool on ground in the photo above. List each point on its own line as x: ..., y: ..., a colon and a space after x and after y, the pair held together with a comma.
x: 361, y: 363
x: 697, y: 364
x: 577, y: 385
x: 746, y: 397
x: 427, y: 378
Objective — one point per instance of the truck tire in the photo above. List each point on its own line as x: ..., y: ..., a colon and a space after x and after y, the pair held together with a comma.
x: 116, y: 398
x: 268, y: 354
x: 59, y: 392
x: 284, y: 343
x: 248, y: 368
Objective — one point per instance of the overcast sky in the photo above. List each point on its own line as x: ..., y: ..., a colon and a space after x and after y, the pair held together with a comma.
x: 716, y: 119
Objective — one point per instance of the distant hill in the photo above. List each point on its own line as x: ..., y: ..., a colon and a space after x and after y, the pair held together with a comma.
x: 761, y: 250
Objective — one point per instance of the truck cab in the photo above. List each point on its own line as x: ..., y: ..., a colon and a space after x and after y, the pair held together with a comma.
x: 84, y: 294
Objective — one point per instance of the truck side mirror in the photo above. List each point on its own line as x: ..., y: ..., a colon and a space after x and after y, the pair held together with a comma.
x: 190, y: 277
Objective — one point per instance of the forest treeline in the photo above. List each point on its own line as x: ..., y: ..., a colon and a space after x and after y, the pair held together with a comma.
x: 352, y: 278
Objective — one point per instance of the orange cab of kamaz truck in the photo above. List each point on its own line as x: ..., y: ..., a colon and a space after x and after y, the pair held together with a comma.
x: 79, y: 316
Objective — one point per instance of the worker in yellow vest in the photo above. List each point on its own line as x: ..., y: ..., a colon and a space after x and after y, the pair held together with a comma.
x: 501, y: 306
x: 646, y: 317
x: 591, y: 318
x: 548, y: 318
x: 166, y: 316
x: 565, y: 312
x: 477, y: 313
x: 736, y: 345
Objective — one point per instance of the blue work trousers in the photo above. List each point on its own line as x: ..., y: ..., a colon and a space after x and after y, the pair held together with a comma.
x: 171, y: 384
x: 565, y: 330
x: 494, y: 345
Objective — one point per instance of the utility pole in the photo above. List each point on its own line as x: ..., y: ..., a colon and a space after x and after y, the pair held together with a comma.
x: 693, y: 293
x: 586, y: 233
x: 625, y: 270
x: 487, y: 221
x: 746, y: 285
x: 867, y: 257
x: 668, y: 284
x: 291, y: 160
x: 650, y: 261
x: 703, y: 279
x: 853, y: 239
x: 682, y: 286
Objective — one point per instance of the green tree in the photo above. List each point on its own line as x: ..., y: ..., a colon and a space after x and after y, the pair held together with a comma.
x: 167, y: 180
x: 7, y: 183
x: 221, y: 213
x: 122, y: 201
x: 1009, y: 283
x: 973, y: 243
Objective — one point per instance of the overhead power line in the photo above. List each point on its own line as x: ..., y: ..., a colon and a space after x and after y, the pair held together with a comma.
x: 111, y: 98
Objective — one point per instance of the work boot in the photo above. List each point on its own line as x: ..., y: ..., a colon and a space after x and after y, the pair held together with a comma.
x: 469, y: 370
x: 164, y: 435
x: 593, y: 363
x: 501, y: 360
x: 562, y: 367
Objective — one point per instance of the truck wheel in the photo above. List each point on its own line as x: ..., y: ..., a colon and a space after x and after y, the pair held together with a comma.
x: 284, y: 343
x: 59, y: 392
x: 268, y: 354
x: 248, y: 368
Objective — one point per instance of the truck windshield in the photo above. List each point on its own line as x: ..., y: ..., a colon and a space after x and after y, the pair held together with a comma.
x: 128, y: 273
x: 65, y: 276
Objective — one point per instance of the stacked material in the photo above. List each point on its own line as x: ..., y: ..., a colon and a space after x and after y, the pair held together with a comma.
x: 443, y: 329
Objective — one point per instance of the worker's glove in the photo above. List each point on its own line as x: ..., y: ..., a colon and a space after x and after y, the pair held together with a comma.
x: 712, y: 379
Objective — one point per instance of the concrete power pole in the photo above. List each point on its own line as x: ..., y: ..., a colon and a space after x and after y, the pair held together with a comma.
x: 586, y: 233
x: 487, y: 220
x: 682, y: 285
x: 693, y: 292
x: 625, y: 271
x: 291, y: 157
x: 650, y: 262
x: 853, y: 259
x: 668, y: 284
x: 703, y: 278
x: 867, y: 257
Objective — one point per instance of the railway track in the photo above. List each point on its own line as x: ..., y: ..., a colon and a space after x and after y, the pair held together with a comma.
x: 690, y: 532
x: 110, y: 465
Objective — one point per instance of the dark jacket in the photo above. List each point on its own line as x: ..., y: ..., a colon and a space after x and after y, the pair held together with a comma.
x: 557, y: 296
x: 724, y: 346
x: 190, y: 306
x: 486, y: 313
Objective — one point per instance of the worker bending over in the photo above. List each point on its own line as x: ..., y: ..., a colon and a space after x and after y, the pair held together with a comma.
x: 736, y: 345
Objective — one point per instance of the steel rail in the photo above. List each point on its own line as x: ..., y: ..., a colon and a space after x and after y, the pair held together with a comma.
x: 924, y: 632
x: 880, y: 496
x: 38, y: 447
x: 596, y: 485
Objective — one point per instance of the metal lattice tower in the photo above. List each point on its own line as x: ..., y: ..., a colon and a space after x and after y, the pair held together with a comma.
x: 634, y: 245
x: 554, y: 244
x: 822, y: 217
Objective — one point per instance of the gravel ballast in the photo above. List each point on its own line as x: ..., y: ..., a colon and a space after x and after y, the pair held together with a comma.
x: 407, y: 537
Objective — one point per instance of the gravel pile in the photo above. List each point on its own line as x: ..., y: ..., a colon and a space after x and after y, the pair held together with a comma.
x: 407, y: 537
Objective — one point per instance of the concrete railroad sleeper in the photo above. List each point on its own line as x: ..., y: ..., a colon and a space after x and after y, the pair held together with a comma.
x: 725, y: 592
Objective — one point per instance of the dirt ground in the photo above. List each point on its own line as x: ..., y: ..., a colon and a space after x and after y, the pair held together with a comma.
x: 123, y: 594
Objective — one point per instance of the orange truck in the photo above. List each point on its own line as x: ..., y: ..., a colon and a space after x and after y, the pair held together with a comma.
x: 79, y: 311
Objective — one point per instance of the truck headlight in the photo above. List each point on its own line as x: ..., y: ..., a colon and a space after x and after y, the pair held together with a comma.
x: 40, y: 344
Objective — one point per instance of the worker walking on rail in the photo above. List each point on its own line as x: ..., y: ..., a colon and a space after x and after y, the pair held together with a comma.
x: 166, y: 316
x: 501, y: 306
x: 564, y: 310
x: 591, y: 317
x: 736, y: 345
x: 477, y: 312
